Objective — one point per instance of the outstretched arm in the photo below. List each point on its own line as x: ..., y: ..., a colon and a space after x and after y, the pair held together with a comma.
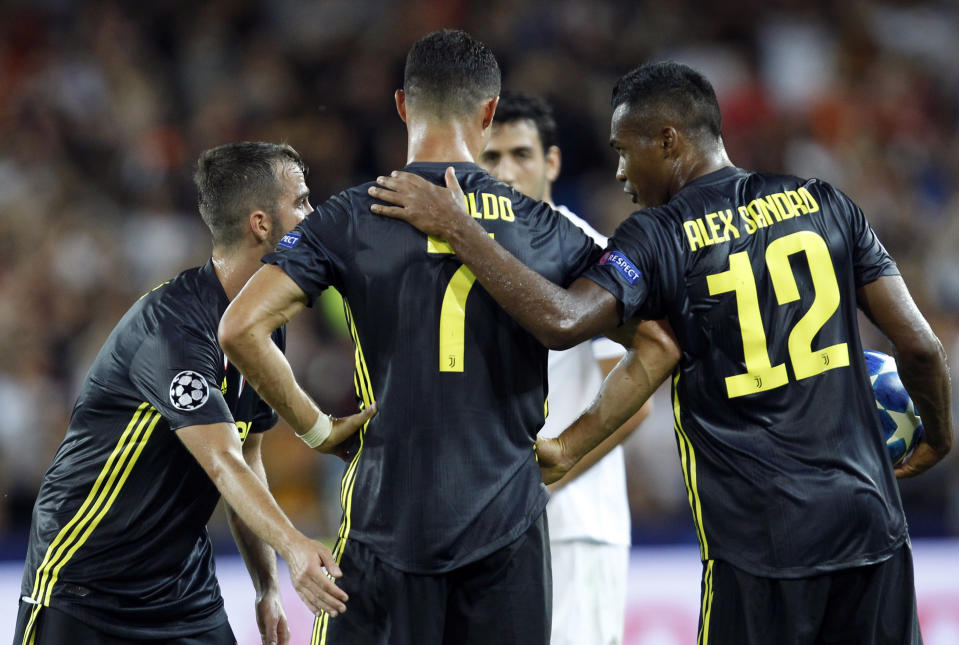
x: 654, y: 339
x: 652, y: 358
x: 922, y: 367
x: 217, y: 449
x: 260, y: 559
x: 268, y: 300
x: 559, y: 318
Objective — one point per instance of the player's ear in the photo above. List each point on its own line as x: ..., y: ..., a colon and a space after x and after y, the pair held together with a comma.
x: 400, y: 97
x: 669, y: 141
x: 489, y: 109
x: 260, y: 226
x: 554, y: 160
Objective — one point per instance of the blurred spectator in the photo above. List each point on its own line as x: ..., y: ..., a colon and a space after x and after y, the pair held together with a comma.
x: 104, y: 106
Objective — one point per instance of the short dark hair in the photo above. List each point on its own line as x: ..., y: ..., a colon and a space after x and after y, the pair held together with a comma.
x: 519, y: 106
x: 235, y: 179
x: 674, y: 90
x: 450, y: 71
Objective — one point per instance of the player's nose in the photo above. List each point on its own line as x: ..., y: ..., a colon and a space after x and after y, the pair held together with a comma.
x: 506, y: 171
x: 621, y: 171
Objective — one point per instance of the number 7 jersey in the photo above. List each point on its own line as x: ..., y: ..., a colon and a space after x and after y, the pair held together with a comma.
x: 782, y: 451
x: 445, y: 473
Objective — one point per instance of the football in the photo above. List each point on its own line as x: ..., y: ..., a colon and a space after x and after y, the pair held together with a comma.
x: 897, y: 412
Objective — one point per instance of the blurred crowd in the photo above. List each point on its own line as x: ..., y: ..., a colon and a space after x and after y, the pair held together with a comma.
x: 105, y: 105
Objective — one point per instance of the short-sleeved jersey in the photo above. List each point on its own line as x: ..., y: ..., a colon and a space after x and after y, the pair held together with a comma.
x: 118, y: 538
x: 775, y: 418
x: 445, y: 473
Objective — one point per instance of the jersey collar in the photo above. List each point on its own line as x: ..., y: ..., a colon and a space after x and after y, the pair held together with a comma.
x: 715, y: 177
x: 441, y: 166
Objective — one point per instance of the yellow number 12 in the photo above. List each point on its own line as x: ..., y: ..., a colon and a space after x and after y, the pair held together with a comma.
x: 761, y: 375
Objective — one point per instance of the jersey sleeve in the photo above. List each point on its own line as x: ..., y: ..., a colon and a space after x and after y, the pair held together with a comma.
x: 311, y: 254
x: 632, y: 268
x: 176, y: 369
x: 871, y: 261
x: 552, y: 232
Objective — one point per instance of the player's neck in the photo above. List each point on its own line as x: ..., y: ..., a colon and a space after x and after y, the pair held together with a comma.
x: 701, y: 164
x: 548, y: 196
x: 445, y: 142
x: 233, y: 269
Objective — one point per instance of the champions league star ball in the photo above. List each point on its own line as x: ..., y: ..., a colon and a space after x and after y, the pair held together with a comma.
x: 188, y: 391
x: 897, y: 412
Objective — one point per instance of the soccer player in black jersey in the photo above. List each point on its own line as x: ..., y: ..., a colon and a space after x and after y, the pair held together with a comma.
x: 163, y: 426
x: 443, y: 538
x: 795, y: 503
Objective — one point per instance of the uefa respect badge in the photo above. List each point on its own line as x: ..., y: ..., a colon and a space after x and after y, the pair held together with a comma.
x: 622, y: 264
x: 290, y: 240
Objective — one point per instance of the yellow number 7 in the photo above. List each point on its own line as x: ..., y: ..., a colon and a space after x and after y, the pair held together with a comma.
x: 453, y: 311
x: 760, y: 374
x: 453, y: 320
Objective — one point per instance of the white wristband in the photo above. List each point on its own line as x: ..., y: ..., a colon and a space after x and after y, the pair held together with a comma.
x: 319, y: 432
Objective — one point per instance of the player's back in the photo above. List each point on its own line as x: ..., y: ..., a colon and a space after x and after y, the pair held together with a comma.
x: 775, y: 420
x: 445, y: 473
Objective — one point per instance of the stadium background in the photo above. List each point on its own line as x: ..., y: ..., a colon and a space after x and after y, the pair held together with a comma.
x: 104, y: 106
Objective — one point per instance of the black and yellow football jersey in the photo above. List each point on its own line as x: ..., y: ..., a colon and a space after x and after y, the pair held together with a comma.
x: 782, y: 450
x: 445, y: 473
x: 118, y: 538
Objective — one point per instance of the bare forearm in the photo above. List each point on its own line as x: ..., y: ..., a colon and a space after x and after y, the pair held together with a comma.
x: 919, y: 355
x: 595, y: 455
x: 265, y: 368
x: 623, y: 392
x: 251, y: 501
x: 925, y: 374
x: 653, y: 355
x: 259, y: 557
x: 269, y: 300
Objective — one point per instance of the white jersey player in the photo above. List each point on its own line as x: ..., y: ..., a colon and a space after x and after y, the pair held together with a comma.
x: 588, y: 512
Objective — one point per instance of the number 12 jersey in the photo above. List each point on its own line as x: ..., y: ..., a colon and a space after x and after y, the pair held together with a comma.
x: 781, y: 447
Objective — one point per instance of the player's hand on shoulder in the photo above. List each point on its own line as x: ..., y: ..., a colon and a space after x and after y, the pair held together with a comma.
x: 432, y: 209
x: 924, y: 456
x: 312, y: 571
x: 553, y: 463
x: 271, y: 619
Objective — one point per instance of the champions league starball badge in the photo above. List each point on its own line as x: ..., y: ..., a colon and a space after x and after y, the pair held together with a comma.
x: 188, y: 391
